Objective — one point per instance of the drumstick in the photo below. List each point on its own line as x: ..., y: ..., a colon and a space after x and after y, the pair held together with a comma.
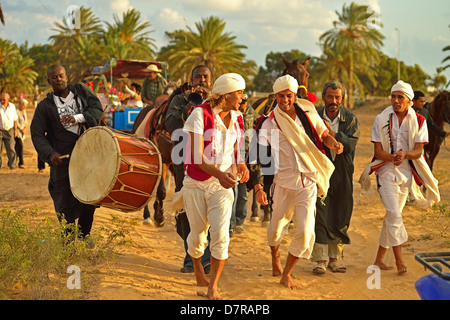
x: 64, y: 156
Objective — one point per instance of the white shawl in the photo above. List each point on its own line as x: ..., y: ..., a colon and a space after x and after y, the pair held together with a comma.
x: 312, y: 157
x: 422, y: 169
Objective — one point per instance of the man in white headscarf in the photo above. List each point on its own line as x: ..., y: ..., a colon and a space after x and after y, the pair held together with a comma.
x: 295, y: 133
x: 215, y: 131
x: 399, y: 134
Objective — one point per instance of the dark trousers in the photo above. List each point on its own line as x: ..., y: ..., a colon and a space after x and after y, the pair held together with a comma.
x: 19, y: 150
x: 40, y: 164
x: 66, y: 205
x: 85, y: 215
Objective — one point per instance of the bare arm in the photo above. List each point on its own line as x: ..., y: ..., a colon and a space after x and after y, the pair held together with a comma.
x: 414, y: 154
x: 332, y: 144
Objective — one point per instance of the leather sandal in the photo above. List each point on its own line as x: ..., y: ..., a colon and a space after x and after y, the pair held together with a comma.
x: 320, y: 268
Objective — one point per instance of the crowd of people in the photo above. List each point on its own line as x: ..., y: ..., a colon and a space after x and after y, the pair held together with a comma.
x: 309, y: 152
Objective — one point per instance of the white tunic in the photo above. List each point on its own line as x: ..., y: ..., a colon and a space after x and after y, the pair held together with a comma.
x: 400, y: 138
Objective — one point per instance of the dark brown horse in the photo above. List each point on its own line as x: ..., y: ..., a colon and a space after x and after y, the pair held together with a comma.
x: 440, y: 112
x: 263, y: 106
x: 149, y: 124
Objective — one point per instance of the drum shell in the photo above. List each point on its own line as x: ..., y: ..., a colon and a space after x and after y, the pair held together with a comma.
x: 133, y: 169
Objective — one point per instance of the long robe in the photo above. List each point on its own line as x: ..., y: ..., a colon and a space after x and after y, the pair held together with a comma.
x: 335, y: 211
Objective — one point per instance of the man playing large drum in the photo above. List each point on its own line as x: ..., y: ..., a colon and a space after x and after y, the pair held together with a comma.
x: 58, y: 122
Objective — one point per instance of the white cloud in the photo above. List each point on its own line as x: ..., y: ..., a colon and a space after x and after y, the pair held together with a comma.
x: 119, y: 6
x: 170, y: 18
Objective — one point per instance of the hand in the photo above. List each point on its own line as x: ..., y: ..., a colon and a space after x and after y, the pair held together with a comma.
x: 227, y: 180
x: 243, y: 172
x: 55, y: 159
x: 338, y: 147
x: 399, y: 157
x: 68, y: 119
x: 261, y: 197
x: 205, y: 92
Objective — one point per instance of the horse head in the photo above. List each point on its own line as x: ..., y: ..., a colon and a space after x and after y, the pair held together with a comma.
x: 440, y: 108
x: 298, y: 70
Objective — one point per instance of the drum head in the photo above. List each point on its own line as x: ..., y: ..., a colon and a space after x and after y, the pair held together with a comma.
x: 94, y: 165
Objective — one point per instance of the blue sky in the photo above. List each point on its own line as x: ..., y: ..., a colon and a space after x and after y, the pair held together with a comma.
x: 261, y: 25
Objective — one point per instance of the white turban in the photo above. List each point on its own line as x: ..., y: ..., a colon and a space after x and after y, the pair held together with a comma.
x: 228, y: 82
x: 404, y: 88
x: 285, y: 82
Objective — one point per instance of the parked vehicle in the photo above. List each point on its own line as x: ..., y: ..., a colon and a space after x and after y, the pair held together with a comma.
x: 435, y: 286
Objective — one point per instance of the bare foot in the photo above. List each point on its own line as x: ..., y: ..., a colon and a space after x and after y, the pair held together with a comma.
x: 202, y: 281
x: 383, y: 266
x: 401, y: 269
x: 289, y: 283
x: 277, y: 269
x: 210, y: 295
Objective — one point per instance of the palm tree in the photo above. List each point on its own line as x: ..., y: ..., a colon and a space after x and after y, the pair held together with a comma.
x: 331, y: 65
x: 16, y: 75
x: 208, y: 45
x: 129, y: 37
x: 117, y: 47
x: 355, y: 41
x: 447, y: 48
x: 89, y: 25
x: 78, y: 49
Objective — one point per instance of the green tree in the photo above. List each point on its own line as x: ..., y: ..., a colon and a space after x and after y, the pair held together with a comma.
x: 331, y: 65
x: 274, y: 68
x: 447, y: 48
x: 439, y: 81
x: 16, y: 73
x: 355, y: 42
x: 44, y: 56
x: 79, y: 49
x: 128, y: 38
x: 208, y: 45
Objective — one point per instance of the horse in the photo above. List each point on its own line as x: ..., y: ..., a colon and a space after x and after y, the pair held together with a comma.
x: 149, y: 124
x: 440, y: 113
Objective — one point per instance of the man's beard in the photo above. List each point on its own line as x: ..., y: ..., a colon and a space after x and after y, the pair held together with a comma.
x: 332, y: 105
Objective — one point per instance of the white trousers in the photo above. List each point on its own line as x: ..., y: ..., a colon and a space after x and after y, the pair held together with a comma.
x: 298, y: 206
x: 206, y: 209
x: 393, y: 196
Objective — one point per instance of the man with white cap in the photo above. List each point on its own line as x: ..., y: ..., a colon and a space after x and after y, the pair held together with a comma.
x: 215, y: 131
x: 399, y: 134
x: 295, y: 133
x: 153, y: 86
